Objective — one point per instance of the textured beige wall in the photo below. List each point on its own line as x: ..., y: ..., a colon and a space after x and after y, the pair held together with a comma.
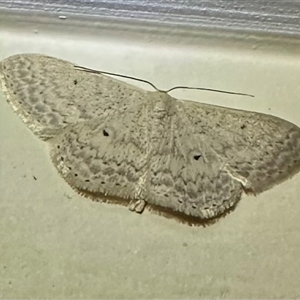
x: 57, y: 244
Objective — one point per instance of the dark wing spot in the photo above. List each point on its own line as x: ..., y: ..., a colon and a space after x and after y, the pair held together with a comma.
x: 197, y: 156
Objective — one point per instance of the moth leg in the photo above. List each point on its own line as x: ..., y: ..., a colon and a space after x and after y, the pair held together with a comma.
x: 137, y: 205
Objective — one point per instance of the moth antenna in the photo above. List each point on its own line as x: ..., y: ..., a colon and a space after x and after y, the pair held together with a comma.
x: 115, y: 74
x: 151, y: 84
x: 209, y: 90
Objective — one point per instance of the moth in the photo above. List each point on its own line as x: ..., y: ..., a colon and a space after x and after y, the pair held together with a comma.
x: 114, y: 142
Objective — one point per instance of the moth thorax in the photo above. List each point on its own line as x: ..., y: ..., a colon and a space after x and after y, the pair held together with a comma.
x: 164, y: 106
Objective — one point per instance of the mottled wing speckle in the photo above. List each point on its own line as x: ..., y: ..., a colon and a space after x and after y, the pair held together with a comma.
x: 105, y: 156
x: 49, y: 93
x: 186, y: 175
x: 259, y: 149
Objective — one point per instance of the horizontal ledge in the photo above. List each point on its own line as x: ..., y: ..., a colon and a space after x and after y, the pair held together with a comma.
x: 279, y: 17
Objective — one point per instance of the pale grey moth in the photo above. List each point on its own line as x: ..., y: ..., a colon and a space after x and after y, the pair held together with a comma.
x: 114, y: 142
